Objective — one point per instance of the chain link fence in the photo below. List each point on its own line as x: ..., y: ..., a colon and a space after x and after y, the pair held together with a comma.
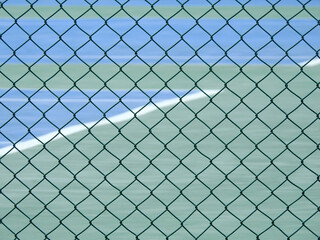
x: 159, y: 119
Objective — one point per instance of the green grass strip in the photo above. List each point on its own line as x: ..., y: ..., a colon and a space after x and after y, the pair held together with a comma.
x: 160, y: 76
x: 167, y: 12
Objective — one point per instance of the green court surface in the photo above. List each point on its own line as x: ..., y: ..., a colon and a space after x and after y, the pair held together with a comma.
x: 271, y: 79
x: 234, y: 164
x: 166, y: 12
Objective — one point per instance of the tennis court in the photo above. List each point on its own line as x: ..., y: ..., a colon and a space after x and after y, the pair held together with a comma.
x: 159, y: 120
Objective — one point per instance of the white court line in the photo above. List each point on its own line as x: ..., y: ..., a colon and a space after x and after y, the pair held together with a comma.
x: 139, y: 111
x: 312, y: 63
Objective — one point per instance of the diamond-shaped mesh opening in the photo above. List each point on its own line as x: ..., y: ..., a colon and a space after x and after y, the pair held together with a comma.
x: 226, y: 224
x: 159, y: 119
x: 258, y: 223
x: 167, y: 223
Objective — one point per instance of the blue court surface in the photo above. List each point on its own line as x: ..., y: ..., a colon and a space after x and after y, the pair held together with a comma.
x: 240, y: 41
x: 271, y: 41
x: 26, y: 114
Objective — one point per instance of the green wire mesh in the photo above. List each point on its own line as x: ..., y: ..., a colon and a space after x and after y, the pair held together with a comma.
x: 242, y: 163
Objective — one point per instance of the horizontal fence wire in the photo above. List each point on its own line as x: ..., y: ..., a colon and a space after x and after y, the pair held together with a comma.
x: 159, y: 119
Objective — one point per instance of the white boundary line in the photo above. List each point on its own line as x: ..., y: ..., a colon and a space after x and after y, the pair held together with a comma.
x: 312, y: 63
x: 139, y: 111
